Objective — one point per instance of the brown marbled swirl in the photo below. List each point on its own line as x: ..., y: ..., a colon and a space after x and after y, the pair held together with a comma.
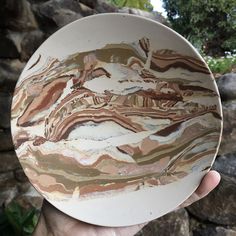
x: 115, y: 119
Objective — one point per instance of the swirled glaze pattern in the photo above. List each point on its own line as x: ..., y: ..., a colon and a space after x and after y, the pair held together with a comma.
x: 115, y: 119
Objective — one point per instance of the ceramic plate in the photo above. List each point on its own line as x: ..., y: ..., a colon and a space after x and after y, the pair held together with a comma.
x: 116, y: 119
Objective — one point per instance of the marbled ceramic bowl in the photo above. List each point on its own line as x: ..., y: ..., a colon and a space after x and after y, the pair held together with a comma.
x: 116, y: 119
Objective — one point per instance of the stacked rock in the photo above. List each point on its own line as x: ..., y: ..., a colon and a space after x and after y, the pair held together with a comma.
x: 24, y: 25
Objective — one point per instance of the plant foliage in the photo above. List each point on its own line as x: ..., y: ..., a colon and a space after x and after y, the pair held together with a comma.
x: 15, y: 220
x: 209, y: 24
x: 139, y: 4
x: 221, y: 65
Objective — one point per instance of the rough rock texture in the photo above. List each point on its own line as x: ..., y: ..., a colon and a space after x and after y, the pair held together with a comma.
x: 24, y: 25
x: 226, y: 164
x: 8, y: 194
x: 54, y: 14
x: 9, y: 73
x: 221, y: 231
x: 227, y: 86
x: 86, y: 10
x: 9, y: 161
x: 17, y: 15
x: 6, y: 140
x: 103, y: 7
x: 6, y: 176
x: 211, y: 230
x: 29, y: 197
x: 20, y: 176
x: 153, y: 16
x: 5, y: 107
x: 90, y: 3
x: 219, y: 206
x: 174, y: 223
x: 30, y: 43
x: 7, y: 47
x: 229, y: 128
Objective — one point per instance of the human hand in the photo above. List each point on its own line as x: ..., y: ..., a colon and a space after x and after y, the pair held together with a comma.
x: 54, y: 222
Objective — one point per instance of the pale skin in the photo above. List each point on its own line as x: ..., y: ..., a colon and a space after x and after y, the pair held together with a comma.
x: 54, y: 222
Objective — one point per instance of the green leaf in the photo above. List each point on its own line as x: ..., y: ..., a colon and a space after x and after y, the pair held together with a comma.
x: 14, y: 214
x: 29, y: 229
x: 28, y: 215
x: 31, y: 221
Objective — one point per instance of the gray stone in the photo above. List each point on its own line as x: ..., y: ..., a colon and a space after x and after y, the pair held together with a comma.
x: 37, y: 1
x: 227, y: 86
x: 229, y: 128
x: 193, y: 223
x: 220, y: 205
x: 7, y: 195
x: 63, y: 17
x: 23, y: 193
x: 6, y: 178
x: 20, y: 175
x: 103, y: 7
x: 8, y: 161
x: 8, y: 186
x: 9, y: 73
x: 23, y: 187
x: 8, y: 48
x: 30, y: 198
x: 151, y: 15
x: 86, y: 10
x: 54, y: 14
x: 204, y: 230
x: 5, y: 110
x: 226, y: 164
x: 174, y: 223
x: 212, y: 230
x: 30, y: 43
x: 16, y: 38
x: 89, y: 3
x: 221, y: 231
x: 5, y: 140
x: 17, y: 15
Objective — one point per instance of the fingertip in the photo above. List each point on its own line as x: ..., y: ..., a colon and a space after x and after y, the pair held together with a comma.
x: 214, y: 176
x: 209, y: 182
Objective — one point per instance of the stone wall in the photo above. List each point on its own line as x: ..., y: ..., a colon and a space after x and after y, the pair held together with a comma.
x: 24, y: 25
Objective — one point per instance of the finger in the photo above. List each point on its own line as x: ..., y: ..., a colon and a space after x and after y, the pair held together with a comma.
x: 58, y: 221
x: 208, y: 183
